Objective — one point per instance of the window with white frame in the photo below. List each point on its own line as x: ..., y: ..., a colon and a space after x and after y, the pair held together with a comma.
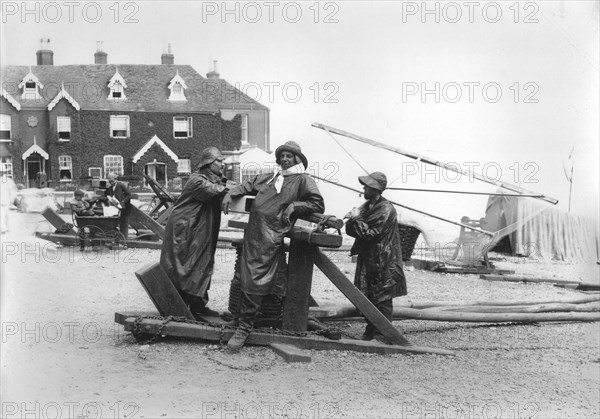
x: 5, y: 132
x: 182, y: 127
x: 184, y: 166
x: 6, y: 167
x: 177, y: 92
x: 244, y: 128
x: 63, y: 126
x: 117, y: 91
x: 95, y: 172
x: 119, y: 126
x: 65, y: 167
x: 113, y: 164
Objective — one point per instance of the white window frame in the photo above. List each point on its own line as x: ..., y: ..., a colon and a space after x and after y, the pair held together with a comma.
x: 184, y: 166
x: 109, y: 164
x: 99, y: 169
x: 65, y: 163
x: 244, y: 127
x: 6, y: 166
x: 177, y: 92
x: 6, y: 125
x: 63, y: 124
x: 190, y: 128
x: 113, y: 119
x: 30, y: 93
x: 117, y: 87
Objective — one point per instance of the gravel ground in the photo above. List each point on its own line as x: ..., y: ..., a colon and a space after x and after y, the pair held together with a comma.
x: 63, y: 356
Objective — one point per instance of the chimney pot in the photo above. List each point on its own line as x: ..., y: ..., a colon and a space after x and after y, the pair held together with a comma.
x: 44, y: 55
x: 213, y: 74
x: 167, y: 58
x: 100, y: 57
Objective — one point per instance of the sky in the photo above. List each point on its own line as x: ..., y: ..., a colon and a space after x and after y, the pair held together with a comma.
x: 508, y: 89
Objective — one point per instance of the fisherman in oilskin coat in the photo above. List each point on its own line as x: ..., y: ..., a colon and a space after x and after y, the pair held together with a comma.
x: 379, y: 274
x: 280, y: 198
x: 191, y: 233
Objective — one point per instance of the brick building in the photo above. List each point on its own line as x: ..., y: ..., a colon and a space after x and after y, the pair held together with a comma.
x: 74, y: 121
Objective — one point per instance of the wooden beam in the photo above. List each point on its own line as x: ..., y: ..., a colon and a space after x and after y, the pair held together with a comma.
x: 356, y: 297
x: 141, y: 217
x: 257, y: 337
x: 298, y: 233
x: 526, y: 279
x: 56, y: 220
x: 291, y: 353
x: 300, y: 272
x: 162, y: 292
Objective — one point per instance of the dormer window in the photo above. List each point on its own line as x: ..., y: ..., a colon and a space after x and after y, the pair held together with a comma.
x: 177, y: 87
x: 117, y: 87
x: 31, y: 87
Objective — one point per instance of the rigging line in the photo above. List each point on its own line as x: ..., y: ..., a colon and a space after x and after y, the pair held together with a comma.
x: 347, y: 152
x: 487, y: 233
x: 464, y: 192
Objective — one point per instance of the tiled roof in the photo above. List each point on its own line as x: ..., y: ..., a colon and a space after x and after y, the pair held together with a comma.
x: 147, y: 88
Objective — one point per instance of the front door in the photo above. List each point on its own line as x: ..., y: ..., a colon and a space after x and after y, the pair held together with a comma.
x: 157, y: 171
x: 33, y: 166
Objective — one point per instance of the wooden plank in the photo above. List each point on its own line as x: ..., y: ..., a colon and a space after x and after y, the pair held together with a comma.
x: 298, y: 233
x: 291, y: 353
x: 137, y: 215
x: 356, y: 297
x: 520, y: 278
x: 257, y: 337
x: 300, y: 271
x: 56, y: 220
x: 162, y: 292
x: 164, y: 216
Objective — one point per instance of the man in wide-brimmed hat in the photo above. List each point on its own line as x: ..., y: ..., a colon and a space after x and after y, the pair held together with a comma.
x: 379, y: 274
x: 280, y: 198
x: 192, y: 230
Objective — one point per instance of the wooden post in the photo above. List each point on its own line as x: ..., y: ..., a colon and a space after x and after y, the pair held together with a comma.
x: 141, y: 217
x: 300, y: 271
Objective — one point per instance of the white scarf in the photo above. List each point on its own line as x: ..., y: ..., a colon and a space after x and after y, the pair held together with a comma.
x: 278, y: 176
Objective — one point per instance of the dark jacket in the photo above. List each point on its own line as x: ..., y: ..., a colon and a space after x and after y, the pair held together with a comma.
x: 121, y: 192
x: 379, y: 274
x: 263, y: 269
x: 191, y: 234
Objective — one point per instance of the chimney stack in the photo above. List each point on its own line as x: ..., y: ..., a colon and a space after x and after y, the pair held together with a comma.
x: 44, y: 55
x: 100, y: 57
x: 213, y: 74
x: 168, y: 57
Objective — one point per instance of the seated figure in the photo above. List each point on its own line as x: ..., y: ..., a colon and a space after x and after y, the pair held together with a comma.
x: 81, y: 206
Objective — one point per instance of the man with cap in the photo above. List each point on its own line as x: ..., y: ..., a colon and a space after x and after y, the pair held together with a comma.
x: 281, y: 197
x: 120, y: 192
x: 379, y: 274
x: 192, y: 230
x: 80, y: 205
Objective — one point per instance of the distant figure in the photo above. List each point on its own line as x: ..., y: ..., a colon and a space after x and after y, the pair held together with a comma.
x: 379, y: 274
x: 79, y: 205
x: 120, y: 192
x: 281, y: 197
x: 192, y: 231
x: 8, y: 194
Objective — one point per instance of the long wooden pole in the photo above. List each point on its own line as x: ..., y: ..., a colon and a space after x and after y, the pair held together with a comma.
x: 438, y: 163
x: 409, y: 208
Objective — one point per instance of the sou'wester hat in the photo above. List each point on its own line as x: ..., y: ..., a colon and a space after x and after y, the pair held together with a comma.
x: 375, y: 180
x: 209, y: 155
x: 294, y: 148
